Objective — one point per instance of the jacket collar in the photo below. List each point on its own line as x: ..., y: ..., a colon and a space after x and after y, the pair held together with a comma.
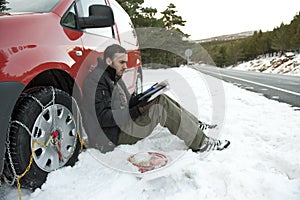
x: 111, y: 71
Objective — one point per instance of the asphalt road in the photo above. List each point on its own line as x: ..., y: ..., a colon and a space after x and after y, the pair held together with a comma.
x: 283, y: 88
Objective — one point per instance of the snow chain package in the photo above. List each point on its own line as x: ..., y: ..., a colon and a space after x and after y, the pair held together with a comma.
x: 148, y: 161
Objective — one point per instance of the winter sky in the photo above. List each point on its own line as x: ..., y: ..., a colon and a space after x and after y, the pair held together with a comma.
x: 219, y: 17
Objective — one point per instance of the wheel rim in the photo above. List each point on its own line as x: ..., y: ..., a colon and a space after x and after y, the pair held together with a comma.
x: 54, y: 137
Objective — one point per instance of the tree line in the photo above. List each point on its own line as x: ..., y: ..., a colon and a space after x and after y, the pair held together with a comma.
x: 282, y: 39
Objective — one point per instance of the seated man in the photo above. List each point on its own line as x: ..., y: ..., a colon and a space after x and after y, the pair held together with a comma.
x: 112, y: 116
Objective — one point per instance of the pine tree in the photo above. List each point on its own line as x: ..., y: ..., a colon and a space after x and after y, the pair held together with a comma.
x: 3, y: 6
x: 132, y: 7
x: 280, y: 40
x: 171, y: 19
x: 295, y: 29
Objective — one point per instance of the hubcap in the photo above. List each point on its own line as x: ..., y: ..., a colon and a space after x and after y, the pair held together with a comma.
x: 54, y: 137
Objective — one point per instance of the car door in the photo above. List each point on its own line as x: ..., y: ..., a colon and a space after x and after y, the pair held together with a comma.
x: 74, y: 46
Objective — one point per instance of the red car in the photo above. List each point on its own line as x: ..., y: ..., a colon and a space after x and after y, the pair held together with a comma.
x: 46, y: 50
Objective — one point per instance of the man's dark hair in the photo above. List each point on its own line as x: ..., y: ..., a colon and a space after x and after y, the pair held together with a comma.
x: 111, y: 50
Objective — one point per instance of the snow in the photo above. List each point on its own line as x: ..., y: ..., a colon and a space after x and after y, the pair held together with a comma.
x: 287, y: 63
x: 262, y: 162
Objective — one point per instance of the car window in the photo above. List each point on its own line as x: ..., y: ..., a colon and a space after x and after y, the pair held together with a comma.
x: 69, y: 19
x: 12, y: 6
x: 83, y: 11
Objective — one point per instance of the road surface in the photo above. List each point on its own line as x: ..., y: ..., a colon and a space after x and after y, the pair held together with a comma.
x: 283, y: 88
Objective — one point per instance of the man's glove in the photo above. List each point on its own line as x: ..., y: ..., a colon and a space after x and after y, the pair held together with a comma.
x: 134, y: 99
x: 138, y: 107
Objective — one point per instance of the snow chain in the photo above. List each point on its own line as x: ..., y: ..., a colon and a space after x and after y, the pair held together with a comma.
x: 18, y: 177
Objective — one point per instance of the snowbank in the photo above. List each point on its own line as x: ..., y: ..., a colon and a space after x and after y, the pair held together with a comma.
x: 262, y: 162
x: 288, y: 63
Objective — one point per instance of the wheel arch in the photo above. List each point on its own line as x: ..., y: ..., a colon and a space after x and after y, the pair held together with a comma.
x: 58, y: 79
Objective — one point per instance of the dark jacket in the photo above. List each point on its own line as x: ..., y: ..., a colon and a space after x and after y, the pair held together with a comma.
x: 102, y: 109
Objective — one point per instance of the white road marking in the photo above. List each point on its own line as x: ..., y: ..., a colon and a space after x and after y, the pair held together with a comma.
x: 260, y: 84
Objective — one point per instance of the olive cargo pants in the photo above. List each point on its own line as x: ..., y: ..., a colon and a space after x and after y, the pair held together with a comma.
x: 168, y: 113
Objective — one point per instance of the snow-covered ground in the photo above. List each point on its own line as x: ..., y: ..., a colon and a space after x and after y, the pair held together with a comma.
x: 288, y: 63
x: 262, y: 162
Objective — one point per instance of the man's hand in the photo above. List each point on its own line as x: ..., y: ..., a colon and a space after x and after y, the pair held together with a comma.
x: 143, y: 102
x: 145, y: 107
x: 141, y: 107
x: 134, y: 100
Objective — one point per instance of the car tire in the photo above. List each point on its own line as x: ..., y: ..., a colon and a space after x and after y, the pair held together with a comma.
x: 43, y: 115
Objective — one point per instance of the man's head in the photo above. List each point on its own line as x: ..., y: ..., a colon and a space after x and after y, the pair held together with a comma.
x: 116, y: 57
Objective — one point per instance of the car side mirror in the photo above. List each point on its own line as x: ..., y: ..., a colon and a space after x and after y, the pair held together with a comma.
x: 100, y: 16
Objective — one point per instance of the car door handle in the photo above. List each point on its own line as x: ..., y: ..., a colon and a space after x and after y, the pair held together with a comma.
x: 78, y: 53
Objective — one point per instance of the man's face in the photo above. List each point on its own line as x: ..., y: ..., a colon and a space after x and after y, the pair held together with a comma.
x: 119, y: 63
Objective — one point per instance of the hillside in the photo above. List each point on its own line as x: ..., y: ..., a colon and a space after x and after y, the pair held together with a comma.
x: 228, y: 37
x: 287, y: 63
